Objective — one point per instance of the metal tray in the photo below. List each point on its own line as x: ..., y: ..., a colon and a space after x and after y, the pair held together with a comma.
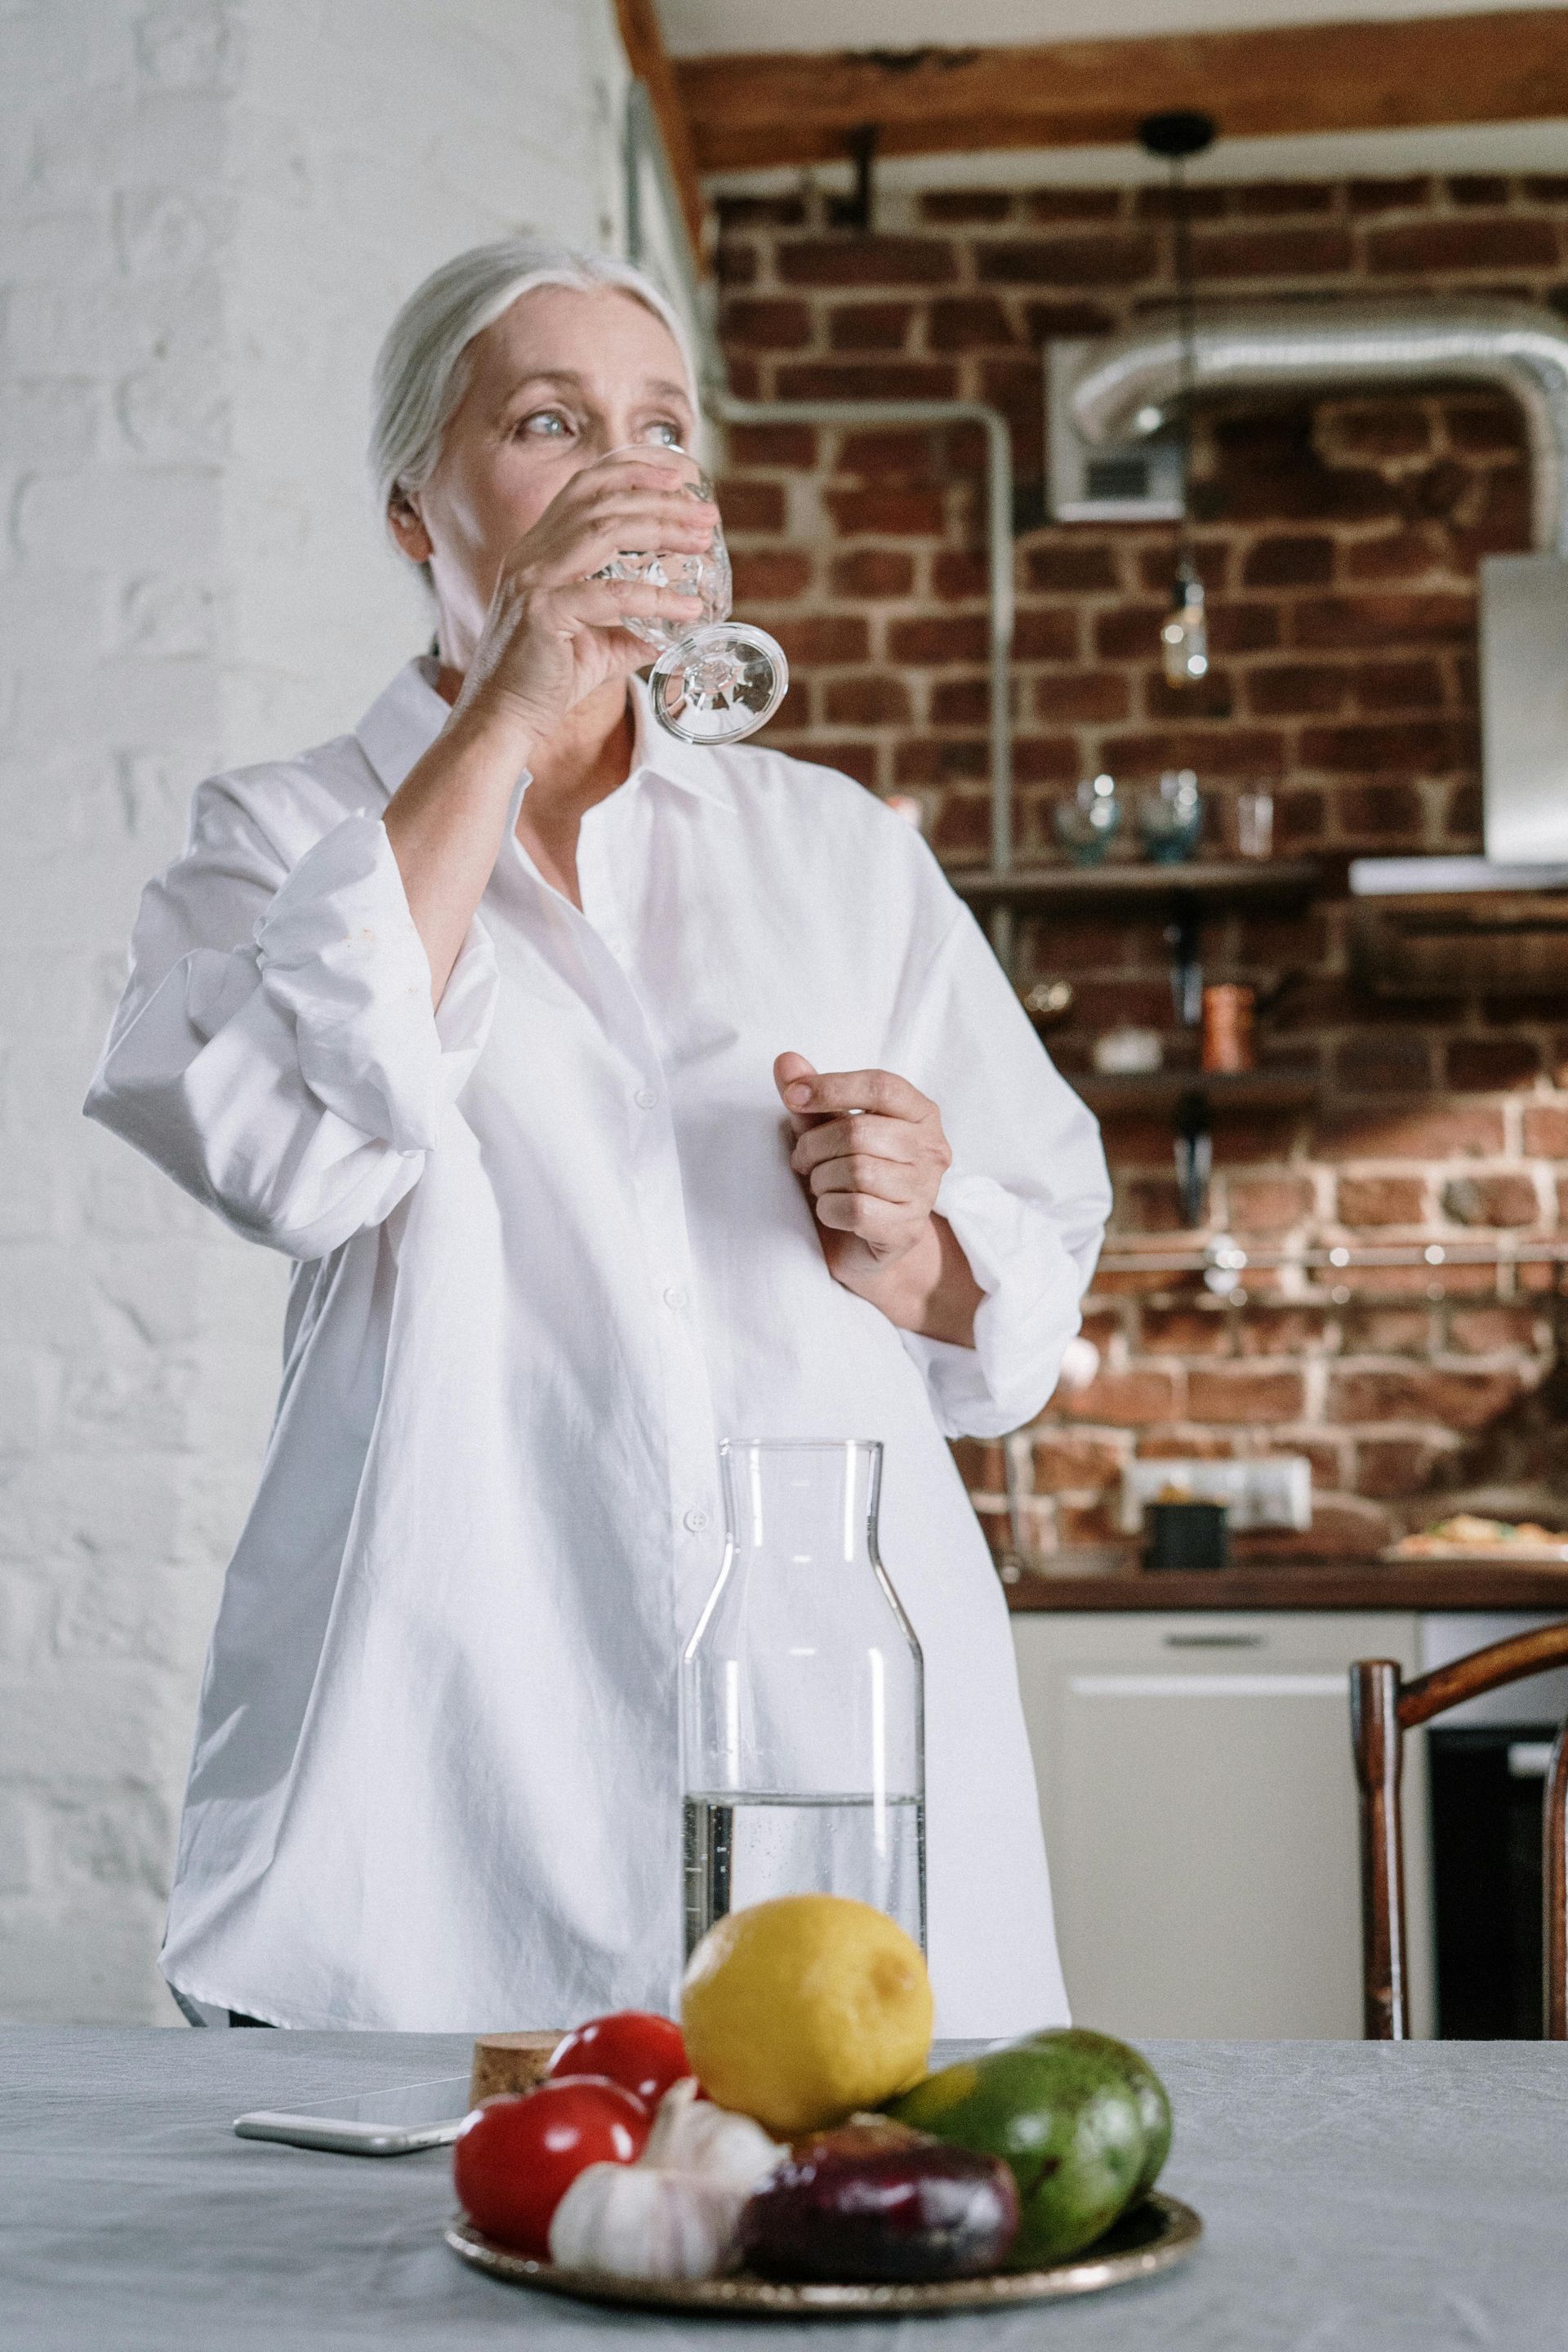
x: 1155, y: 2236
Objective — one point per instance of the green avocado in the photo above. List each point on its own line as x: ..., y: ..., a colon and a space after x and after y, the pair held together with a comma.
x: 1154, y: 2100
x: 1064, y: 2111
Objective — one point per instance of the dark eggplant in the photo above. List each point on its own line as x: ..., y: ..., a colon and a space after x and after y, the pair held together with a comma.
x: 871, y: 2203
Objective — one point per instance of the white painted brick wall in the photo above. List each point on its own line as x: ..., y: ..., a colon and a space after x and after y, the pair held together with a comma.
x: 208, y: 211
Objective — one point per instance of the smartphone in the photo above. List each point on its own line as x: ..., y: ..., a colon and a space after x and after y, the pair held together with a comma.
x: 377, y: 2123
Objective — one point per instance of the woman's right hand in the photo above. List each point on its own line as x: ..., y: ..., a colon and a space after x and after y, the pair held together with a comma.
x: 552, y: 633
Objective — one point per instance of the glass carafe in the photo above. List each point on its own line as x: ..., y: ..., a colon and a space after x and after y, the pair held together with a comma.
x: 802, y: 1701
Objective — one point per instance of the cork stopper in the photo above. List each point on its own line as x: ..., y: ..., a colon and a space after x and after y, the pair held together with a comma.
x: 509, y: 2061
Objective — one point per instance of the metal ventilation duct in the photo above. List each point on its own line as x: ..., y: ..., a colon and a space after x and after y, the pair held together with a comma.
x: 1123, y: 390
x: 1127, y: 385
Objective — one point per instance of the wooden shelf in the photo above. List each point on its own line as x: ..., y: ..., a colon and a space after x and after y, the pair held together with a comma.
x: 1282, y: 1086
x: 1207, y: 883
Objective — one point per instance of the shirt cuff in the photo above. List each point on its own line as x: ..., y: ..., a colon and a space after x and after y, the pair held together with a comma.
x: 341, y: 957
x: 1022, y: 1326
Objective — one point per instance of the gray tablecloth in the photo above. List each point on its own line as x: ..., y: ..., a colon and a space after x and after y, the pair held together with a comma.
x: 1357, y: 2198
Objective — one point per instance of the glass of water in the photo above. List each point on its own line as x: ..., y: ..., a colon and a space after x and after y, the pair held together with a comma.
x: 802, y: 1698
x: 722, y: 679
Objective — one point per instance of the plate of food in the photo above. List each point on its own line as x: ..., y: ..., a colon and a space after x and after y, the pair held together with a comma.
x: 786, y: 2150
x: 1465, y: 1534
x: 1159, y: 2233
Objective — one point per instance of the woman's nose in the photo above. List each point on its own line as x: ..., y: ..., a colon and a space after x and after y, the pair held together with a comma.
x: 683, y: 466
x: 594, y: 442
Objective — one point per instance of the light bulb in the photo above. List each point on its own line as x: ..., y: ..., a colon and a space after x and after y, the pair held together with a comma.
x: 1184, y: 639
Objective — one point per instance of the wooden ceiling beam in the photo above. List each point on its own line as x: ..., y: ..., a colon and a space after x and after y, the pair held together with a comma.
x: 786, y: 107
x: 643, y: 41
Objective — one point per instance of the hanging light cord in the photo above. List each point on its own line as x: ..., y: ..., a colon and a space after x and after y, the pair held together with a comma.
x: 1186, y: 316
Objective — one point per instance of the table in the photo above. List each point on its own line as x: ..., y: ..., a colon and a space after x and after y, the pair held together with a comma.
x: 1358, y: 2197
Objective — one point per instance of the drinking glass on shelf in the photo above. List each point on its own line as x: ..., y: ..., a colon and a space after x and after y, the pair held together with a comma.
x: 1172, y: 819
x: 1088, y: 823
x: 1255, y: 823
x: 722, y: 679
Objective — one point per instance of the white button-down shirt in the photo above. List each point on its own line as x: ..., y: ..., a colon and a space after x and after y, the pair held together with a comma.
x: 548, y: 1251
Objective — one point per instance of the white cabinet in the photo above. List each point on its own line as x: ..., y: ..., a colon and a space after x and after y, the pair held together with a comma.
x: 1198, y: 1795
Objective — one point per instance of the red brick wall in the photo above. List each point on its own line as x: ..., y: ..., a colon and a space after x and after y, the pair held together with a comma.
x: 1338, y: 541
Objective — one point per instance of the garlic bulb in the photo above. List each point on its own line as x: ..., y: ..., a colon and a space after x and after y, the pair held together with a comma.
x: 676, y: 2212
x: 636, y: 2223
x: 690, y: 2135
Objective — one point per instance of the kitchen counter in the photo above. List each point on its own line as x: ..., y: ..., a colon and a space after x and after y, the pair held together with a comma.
x: 1404, y: 2196
x: 1106, y: 1580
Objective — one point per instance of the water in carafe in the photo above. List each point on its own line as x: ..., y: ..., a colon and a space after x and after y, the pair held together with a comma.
x: 740, y: 1850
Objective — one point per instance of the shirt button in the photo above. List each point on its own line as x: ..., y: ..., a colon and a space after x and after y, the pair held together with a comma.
x: 674, y: 1295
x: 696, y: 1521
x: 644, y: 1099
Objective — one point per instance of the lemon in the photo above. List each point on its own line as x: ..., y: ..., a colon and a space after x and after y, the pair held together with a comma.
x: 800, y: 2010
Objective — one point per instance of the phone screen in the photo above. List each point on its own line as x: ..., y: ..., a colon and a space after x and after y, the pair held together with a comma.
x: 411, y: 2106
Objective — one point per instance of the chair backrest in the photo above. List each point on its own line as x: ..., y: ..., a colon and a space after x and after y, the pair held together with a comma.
x: 1384, y: 1708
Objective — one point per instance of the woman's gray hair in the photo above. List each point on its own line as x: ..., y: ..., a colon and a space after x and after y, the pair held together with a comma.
x: 422, y: 369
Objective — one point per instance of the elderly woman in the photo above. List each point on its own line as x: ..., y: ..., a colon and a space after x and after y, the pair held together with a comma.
x: 610, y: 1097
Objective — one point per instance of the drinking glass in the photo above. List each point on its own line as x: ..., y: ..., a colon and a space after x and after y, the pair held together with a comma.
x: 1172, y: 819
x: 802, y: 1698
x: 720, y: 680
x: 1088, y: 823
x: 1255, y: 823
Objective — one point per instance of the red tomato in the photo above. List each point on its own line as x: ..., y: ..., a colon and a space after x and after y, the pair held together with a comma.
x: 633, y: 2047
x: 518, y: 2153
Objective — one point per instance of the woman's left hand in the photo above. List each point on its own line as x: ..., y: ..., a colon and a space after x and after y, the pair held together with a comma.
x: 870, y: 1149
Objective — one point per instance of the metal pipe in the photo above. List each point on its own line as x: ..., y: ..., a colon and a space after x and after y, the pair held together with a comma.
x: 999, y: 550
x: 1435, y: 1256
x: 1013, y: 1481
x: 1128, y: 385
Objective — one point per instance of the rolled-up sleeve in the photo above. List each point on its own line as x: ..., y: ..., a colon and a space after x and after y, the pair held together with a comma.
x: 341, y: 959
x: 276, y: 1051
x: 1026, y: 1196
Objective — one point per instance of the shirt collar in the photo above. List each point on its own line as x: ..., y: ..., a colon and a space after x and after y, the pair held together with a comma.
x: 404, y: 721
x: 690, y: 767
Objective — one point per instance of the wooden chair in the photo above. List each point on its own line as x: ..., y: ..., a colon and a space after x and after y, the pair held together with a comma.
x: 1383, y: 1709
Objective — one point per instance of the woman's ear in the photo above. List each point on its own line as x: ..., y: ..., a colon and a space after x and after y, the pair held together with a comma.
x: 408, y: 528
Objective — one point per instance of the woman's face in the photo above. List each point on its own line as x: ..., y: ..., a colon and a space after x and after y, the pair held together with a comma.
x: 557, y: 380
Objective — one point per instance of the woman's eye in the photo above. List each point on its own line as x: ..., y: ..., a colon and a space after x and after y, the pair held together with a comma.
x: 544, y: 425
x: 666, y: 434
